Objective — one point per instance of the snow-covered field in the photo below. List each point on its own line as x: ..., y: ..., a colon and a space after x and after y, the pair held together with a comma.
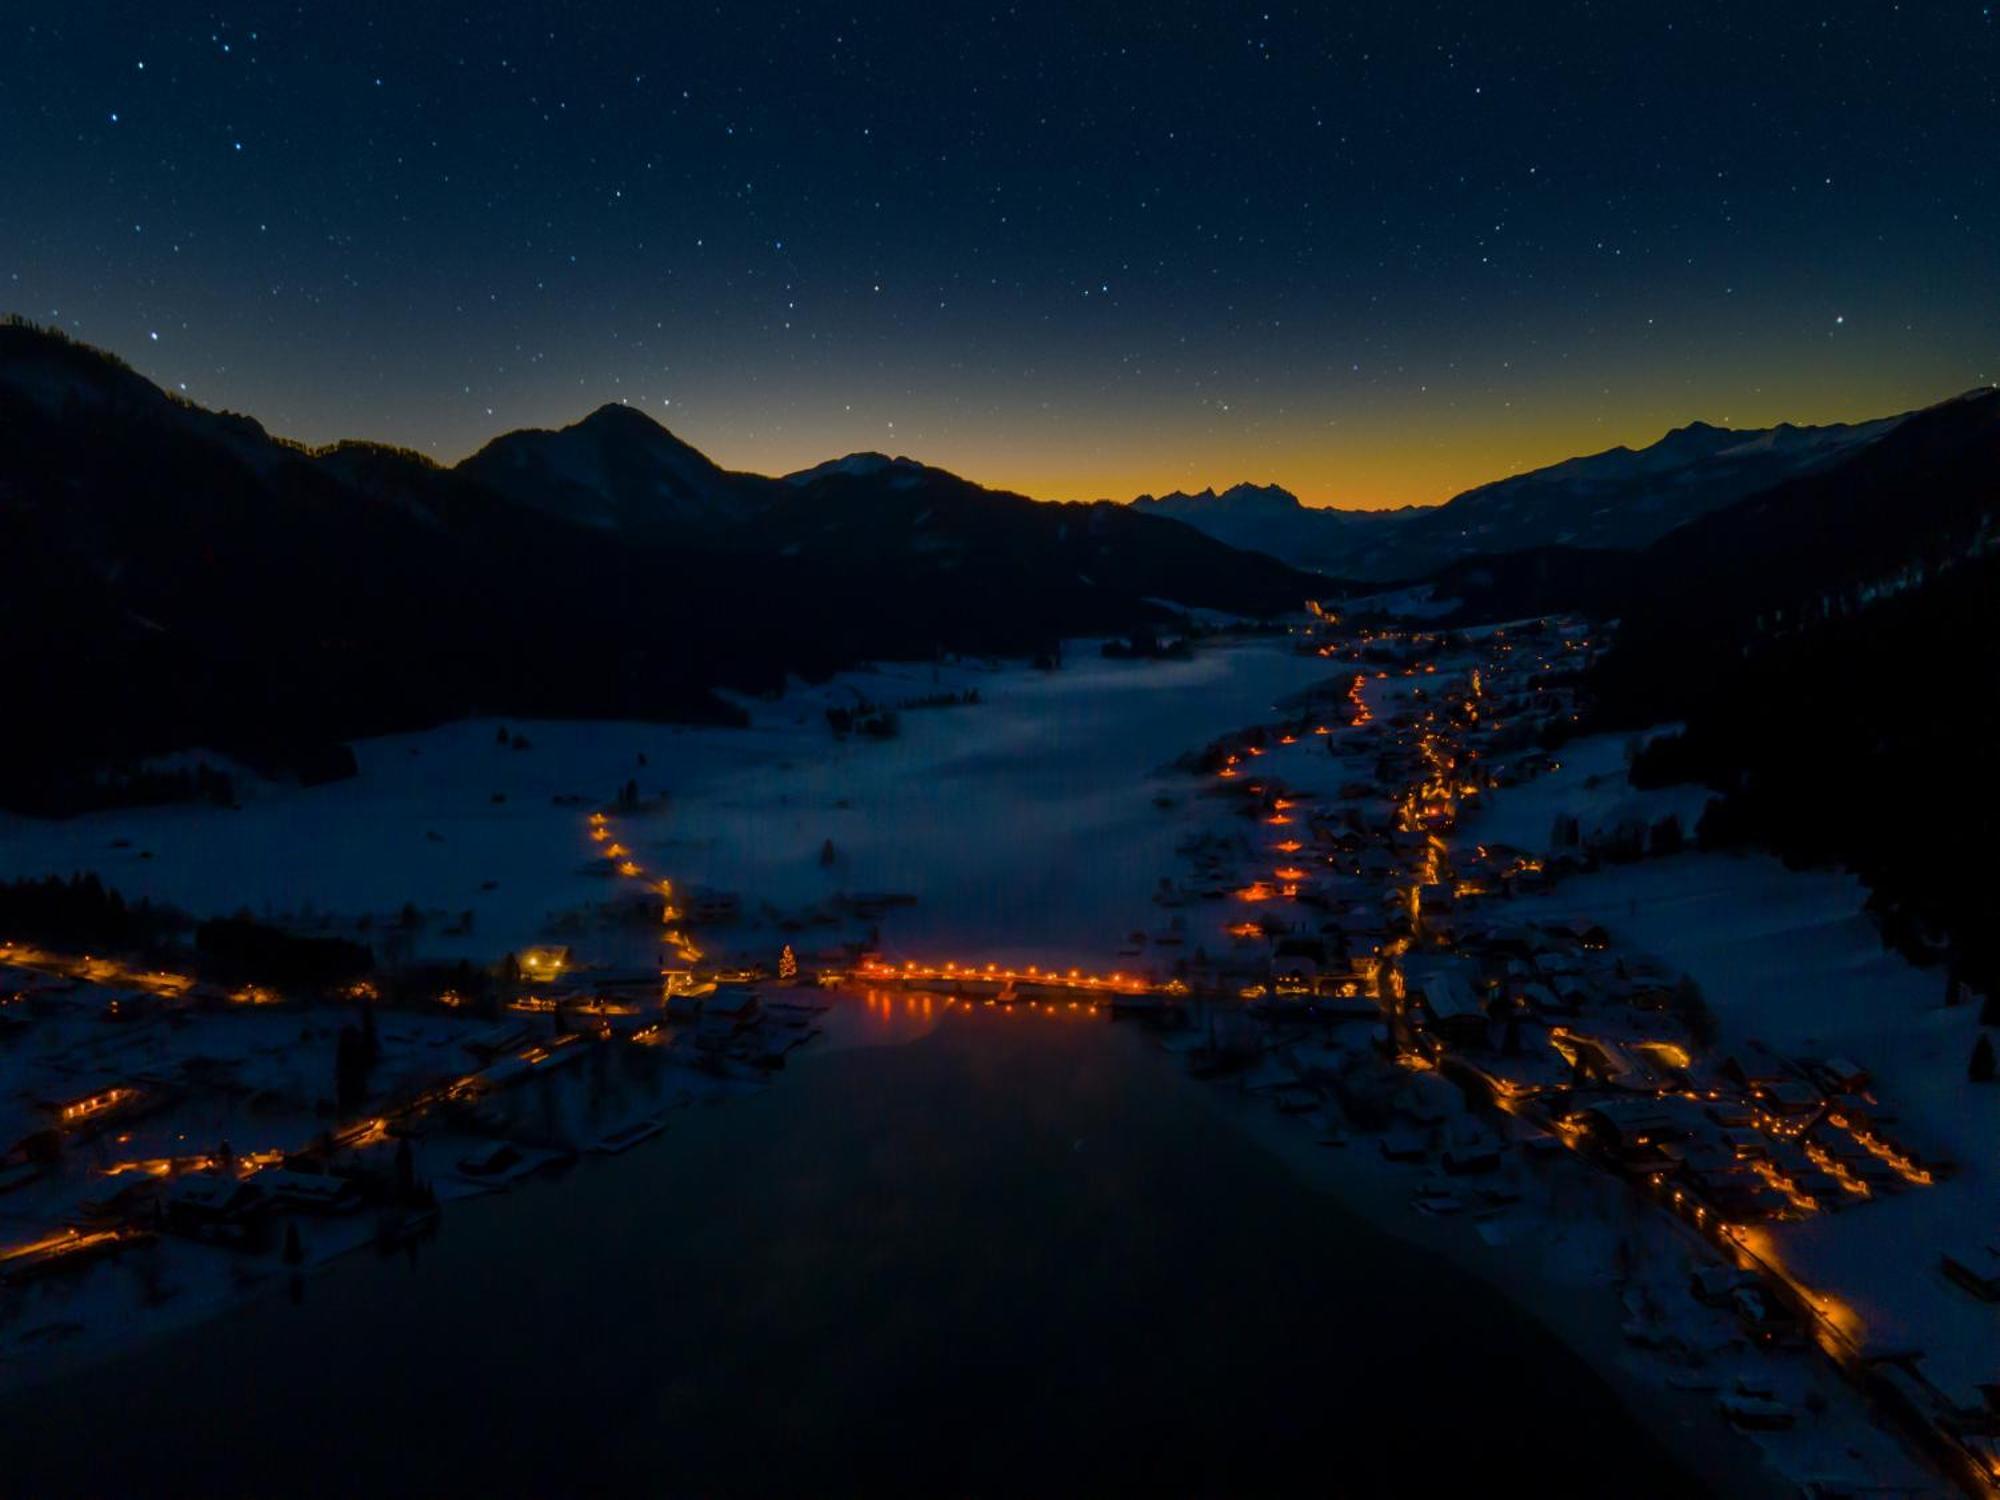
x: 1024, y: 823
x: 1588, y: 784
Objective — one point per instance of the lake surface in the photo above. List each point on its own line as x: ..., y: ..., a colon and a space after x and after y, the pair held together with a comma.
x: 1016, y: 1254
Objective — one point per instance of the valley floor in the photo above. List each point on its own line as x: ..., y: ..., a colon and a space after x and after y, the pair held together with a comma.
x: 1047, y: 824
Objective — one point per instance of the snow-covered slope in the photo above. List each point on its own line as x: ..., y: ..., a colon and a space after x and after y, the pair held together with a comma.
x: 1626, y: 497
x: 859, y: 466
x: 1620, y: 498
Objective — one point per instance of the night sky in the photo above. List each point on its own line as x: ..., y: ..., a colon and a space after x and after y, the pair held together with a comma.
x: 1376, y: 253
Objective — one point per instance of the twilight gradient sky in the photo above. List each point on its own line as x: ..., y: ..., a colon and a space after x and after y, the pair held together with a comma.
x: 1377, y: 253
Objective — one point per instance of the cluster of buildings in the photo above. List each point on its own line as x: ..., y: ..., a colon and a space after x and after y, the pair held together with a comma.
x: 1361, y: 891
x: 187, y: 1130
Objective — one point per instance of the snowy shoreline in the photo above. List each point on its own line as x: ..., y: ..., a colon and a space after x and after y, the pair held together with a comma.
x: 1570, y: 1290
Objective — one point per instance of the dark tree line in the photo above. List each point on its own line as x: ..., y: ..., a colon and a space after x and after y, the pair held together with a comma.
x: 240, y: 949
x: 81, y: 912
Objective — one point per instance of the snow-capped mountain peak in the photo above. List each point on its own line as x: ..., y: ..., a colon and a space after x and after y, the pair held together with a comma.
x: 864, y: 465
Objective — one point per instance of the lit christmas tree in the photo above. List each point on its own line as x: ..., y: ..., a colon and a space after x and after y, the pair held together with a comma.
x: 788, y: 964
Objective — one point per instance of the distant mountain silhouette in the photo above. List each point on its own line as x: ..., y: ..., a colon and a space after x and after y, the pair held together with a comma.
x: 1885, y: 518
x: 1831, y: 646
x: 1620, y: 498
x: 1267, y: 518
x: 179, y: 577
x: 1881, y: 515
x: 1249, y: 501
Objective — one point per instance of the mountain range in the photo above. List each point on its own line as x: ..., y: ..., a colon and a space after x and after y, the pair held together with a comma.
x: 1621, y: 498
x: 178, y: 576
x: 1884, y: 517
x: 1831, y: 648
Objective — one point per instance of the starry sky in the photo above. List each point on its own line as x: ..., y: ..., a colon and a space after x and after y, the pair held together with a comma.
x: 1374, y: 252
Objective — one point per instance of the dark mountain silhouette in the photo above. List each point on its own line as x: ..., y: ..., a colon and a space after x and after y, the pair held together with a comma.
x: 1883, y: 516
x: 618, y: 470
x: 1622, y: 498
x: 1833, y: 648
x: 179, y: 577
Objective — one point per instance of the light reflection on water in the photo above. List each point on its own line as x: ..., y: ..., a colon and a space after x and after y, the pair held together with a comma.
x: 956, y: 1249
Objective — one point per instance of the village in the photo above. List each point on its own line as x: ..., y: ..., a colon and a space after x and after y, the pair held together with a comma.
x: 1334, y: 941
x: 207, y: 1139
x: 1397, y: 985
